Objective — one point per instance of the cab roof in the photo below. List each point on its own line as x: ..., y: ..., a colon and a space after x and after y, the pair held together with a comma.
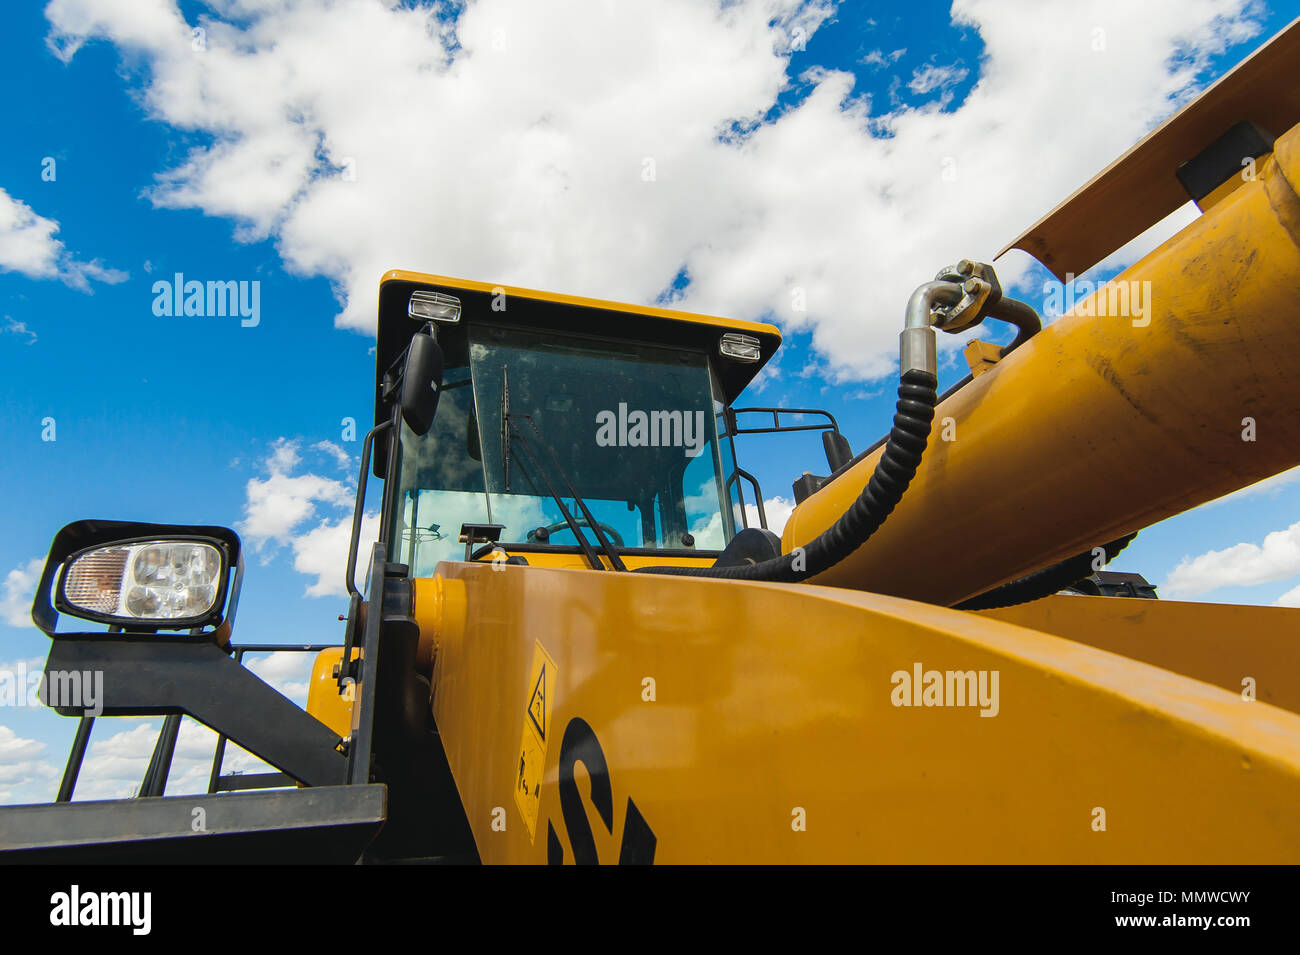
x: 530, y: 308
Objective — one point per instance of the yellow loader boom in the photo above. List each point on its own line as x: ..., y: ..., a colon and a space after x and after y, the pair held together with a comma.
x: 1173, y: 384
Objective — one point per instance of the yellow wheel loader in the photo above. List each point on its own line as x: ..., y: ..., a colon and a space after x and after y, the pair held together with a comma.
x: 572, y: 642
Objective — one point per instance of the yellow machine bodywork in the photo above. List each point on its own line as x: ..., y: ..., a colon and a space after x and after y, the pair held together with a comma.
x: 760, y: 723
x: 1251, y: 651
x: 326, y: 701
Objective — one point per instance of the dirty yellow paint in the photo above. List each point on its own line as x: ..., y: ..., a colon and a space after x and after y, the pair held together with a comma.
x: 1104, y: 423
x: 777, y: 698
x: 1252, y: 651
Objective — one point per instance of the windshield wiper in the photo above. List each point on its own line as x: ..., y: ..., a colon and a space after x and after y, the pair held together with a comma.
x: 606, y: 547
x: 505, y: 425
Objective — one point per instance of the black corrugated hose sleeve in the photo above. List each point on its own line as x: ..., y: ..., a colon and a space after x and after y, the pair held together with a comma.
x: 1044, y: 582
x: 917, y: 396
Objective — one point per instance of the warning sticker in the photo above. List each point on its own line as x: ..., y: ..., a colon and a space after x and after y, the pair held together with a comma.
x: 532, y: 747
x: 537, y: 702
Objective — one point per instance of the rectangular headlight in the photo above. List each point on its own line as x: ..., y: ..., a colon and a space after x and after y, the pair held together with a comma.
x: 433, y: 306
x: 151, y: 582
x: 740, y: 347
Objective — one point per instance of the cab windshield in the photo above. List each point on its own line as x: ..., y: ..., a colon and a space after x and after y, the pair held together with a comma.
x: 526, y: 417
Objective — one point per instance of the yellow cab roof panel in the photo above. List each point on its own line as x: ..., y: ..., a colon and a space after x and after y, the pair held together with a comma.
x: 613, y: 321
x: 730, y: 324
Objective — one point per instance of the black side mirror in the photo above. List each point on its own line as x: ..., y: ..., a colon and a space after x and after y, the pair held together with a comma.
x: 421, y: 383
x: 838, y: 451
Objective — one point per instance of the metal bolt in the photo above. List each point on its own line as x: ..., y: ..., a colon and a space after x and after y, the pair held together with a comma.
x: 965, y: 267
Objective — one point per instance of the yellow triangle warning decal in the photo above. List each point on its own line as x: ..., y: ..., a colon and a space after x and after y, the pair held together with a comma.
x: 537, y: 704
x: 544, y: 679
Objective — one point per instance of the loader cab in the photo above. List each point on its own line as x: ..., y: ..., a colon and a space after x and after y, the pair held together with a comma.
x: 546, y: 399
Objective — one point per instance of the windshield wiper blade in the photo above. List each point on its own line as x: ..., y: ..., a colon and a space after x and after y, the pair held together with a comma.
x: 505, y: 424
x: 586, y: 548
x: 607, y: 548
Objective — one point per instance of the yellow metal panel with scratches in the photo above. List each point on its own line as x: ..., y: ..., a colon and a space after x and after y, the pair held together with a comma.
x: 774, y: 708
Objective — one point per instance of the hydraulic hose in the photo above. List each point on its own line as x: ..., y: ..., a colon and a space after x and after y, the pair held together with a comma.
x: 1026, y: 320
x: 1045, y: 582
x: 917, y: 396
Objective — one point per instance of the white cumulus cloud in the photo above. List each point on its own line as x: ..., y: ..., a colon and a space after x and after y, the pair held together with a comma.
x: 593, y: 147
x: 24, y: 775
x: 277, y: 505
x: 286, y: 671
x: 929, y: 78
x: 322, y: 552
x: 1241, y: 565
x: 1289, y: 599
x: 878, y: 59
x: 17, y: 592
x: 117, y: 759
x: 308, y: 513
x: 28, y: 247
x: 708, y: 533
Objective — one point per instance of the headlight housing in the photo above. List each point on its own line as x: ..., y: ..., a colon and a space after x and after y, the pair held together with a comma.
x: 141, y: 576
x: 158, y: 580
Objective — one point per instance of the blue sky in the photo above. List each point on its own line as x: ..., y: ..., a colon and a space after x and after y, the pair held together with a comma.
x: 168, y: 158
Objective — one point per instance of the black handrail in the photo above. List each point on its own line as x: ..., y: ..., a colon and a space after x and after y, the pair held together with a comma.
x: 155, y: 777
x: 736, y: 474
x: 776, y: 420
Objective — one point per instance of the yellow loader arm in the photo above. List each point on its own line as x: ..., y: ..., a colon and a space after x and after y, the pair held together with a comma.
x: 1140, y: 188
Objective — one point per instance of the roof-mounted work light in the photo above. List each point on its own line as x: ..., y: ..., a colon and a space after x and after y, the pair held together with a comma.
x: 740, y: 347
x: 427, y: 306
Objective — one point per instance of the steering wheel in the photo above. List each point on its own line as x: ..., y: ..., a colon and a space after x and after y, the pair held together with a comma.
x: 543, y: 533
